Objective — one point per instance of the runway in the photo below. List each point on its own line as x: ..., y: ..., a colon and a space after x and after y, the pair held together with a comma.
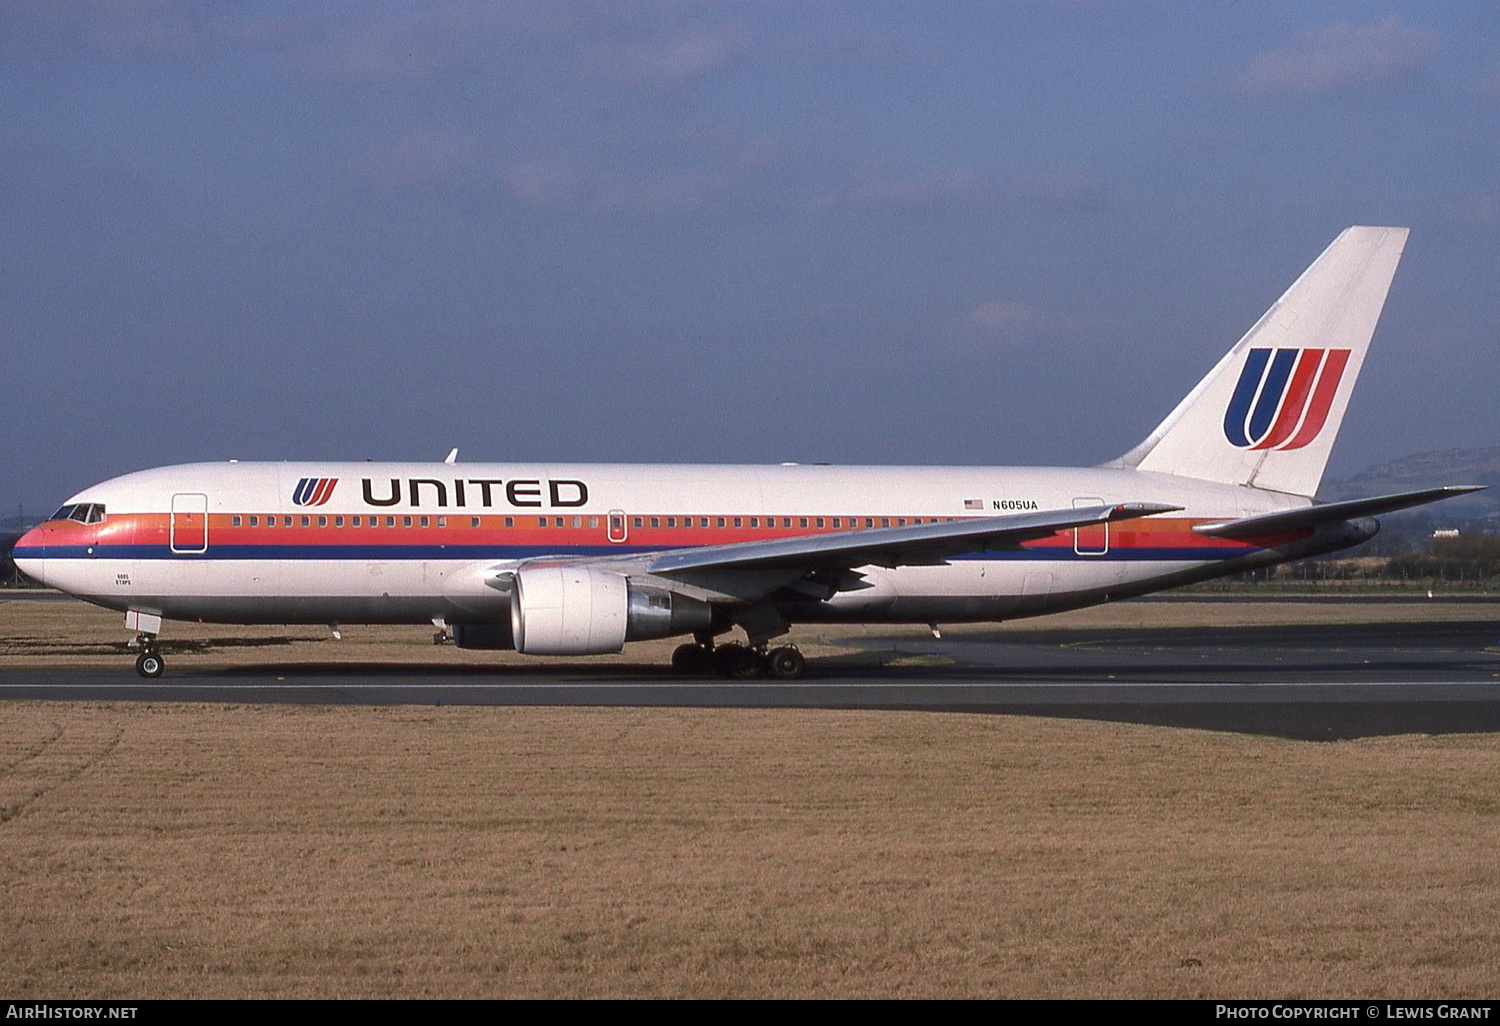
x: 1323, y: 682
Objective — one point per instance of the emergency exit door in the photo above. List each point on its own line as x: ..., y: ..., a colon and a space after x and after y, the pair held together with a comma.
x: 189, y: 532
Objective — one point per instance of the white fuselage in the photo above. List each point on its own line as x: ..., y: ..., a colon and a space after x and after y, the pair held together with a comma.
x: 408, y: 543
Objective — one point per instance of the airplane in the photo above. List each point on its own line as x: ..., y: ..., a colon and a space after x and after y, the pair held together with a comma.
x: 578, y: 559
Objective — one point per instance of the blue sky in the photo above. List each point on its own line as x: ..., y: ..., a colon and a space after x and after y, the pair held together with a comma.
x: 862, y: 233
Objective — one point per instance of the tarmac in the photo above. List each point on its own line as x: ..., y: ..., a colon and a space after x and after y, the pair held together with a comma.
x: 1307, y: 682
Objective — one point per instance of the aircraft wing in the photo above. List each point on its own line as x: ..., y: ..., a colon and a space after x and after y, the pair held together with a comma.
x: 911, y: 545
x: 1329, y: 512
x: 823, y: 564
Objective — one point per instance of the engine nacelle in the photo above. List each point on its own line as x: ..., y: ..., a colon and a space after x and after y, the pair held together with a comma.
x: 567, y: 610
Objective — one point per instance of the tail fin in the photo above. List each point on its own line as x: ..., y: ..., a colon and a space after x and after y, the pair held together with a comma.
x: 1268, y: 412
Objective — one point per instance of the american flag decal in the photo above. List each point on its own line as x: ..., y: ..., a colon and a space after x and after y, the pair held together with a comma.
x: 973, y: 504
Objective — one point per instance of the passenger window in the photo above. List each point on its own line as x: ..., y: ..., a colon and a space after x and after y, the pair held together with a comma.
x: 738, y: 522
x: 557, y: 521
x: 755, y: 521
x: 390, y: 521
x: 254, y: 521
x: 234, y: 521
x: 577, y: 522
x: 719, y: 521
x: 541, y: 521
x: 425, y: 522
x: 337, y: 521
x: 355, y: 522
x: 636, y: 521
x: 510, y: 521
x: 786, y: 521
x: 820, y: 521
x: 406, y: 521
x: 885, y: 521
x: 801, y: 521
x: 306, y: 521
x: 322, y: 521
x: 703, y: 523
x: 473, y: 521
x: 593, y: 523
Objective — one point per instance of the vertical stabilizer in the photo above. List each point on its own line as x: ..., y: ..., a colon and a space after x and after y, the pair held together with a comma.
x: 1268, y: 413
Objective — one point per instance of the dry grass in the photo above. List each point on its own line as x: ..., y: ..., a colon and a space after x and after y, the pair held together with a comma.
x: 227, y: 851
x: 173, y: 850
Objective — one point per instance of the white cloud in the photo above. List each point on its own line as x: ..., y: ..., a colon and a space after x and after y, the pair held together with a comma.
x: 1489, y: 83
x: 1341, y: 56
x: 681, y: 184
x: 1481, y: 209
x: 1011, y: 324
x: 1056, y: 188
x: 421, y: 155
x: 934, y: 187
x: 1060, y: 188
x: 667, y: 61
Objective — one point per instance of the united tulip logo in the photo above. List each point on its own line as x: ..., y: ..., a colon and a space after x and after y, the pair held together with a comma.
x: 313, y: 491
x: 1283, y: 397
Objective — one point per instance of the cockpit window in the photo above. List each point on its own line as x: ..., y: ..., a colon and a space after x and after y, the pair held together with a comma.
x: 82, y: 512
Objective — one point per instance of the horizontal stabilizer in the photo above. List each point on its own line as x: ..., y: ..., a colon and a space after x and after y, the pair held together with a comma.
x: 1329, y: 512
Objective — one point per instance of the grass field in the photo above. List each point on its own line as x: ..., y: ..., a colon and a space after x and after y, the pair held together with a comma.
x: 163, y: 850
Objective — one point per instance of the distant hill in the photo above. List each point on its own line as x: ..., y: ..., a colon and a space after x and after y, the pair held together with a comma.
x: 1427, y: 470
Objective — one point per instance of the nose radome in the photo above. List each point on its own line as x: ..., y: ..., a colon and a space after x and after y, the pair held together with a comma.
x: 30, y: 554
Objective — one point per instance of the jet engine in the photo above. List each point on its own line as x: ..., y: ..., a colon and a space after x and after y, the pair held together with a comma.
x: 580, y: 610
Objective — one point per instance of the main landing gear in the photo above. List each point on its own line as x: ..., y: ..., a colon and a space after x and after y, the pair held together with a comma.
x: 149, y: 663
x: 739, y: 662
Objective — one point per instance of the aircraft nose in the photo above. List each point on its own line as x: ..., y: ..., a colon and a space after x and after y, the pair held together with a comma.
x: 30, y: 553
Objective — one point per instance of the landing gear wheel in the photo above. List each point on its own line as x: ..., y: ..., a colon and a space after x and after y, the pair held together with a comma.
x: 738, y: 662
x: 149, y: 664
x: 785, y: 663
x: 692, y: 659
